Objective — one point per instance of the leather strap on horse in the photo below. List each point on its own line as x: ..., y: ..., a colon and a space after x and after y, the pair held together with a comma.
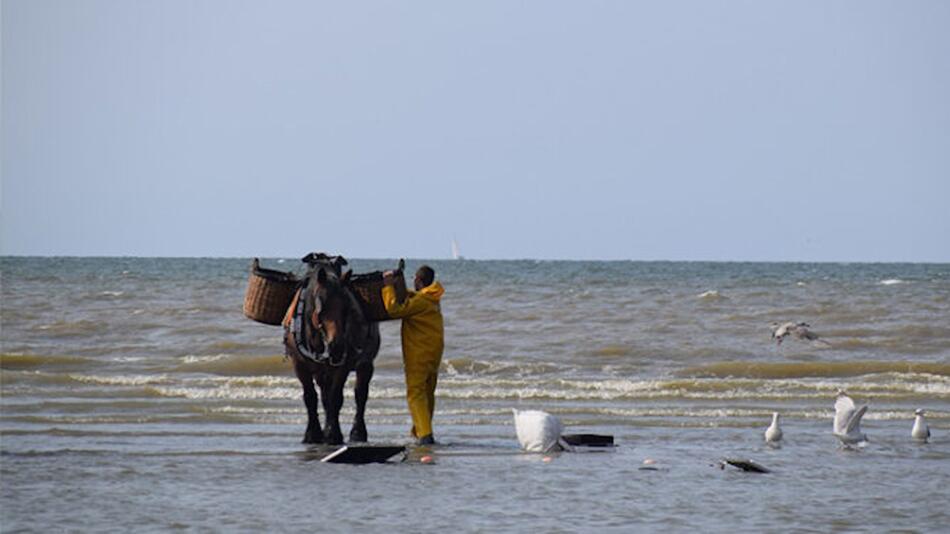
x: 300, y: 325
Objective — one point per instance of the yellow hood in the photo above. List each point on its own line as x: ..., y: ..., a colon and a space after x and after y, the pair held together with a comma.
x: 433, y: 291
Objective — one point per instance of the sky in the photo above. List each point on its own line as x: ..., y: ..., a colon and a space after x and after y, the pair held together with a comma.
x: 543, y: 129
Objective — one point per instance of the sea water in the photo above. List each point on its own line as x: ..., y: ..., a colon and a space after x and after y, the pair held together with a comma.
x: 137, y: 397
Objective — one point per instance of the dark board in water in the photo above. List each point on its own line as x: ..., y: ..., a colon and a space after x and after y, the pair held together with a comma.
x: 588, y: 440
x: 368, y: 454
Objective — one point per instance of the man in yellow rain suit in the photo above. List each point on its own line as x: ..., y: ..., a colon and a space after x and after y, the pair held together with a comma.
x: 422, y: 344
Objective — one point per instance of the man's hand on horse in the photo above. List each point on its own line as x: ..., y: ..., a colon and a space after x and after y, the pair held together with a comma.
x: 388, y: 278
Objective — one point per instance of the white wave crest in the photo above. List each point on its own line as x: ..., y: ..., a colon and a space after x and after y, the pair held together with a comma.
x: 230, y: 393
x: 191, y: 358
x: 122, y: 380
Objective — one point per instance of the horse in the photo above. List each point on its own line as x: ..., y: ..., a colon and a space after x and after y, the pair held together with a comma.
x: 328, y: 337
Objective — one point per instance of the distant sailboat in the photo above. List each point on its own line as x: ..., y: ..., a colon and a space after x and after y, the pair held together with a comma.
x: 455, y: 251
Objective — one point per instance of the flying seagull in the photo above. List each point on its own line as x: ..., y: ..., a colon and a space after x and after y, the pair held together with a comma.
x: 847, y: 425
x: 921, y: 430
x: 797, y: 330
x: 773, y: 434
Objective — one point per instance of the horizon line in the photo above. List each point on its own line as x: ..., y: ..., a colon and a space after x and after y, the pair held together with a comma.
x: 467, y: 259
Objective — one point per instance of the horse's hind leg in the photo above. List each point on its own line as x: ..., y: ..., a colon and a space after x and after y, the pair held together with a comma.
x: 364, y: 374
x: 314, y: 433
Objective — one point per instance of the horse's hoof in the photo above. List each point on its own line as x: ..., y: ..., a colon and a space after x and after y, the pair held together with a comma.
x: 335, y: 439
x: 358, y: 435
x: 312, y: 440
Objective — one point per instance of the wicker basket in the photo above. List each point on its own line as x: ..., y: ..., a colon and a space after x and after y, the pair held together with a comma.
x: 269, y: 294
x: 369, y: 288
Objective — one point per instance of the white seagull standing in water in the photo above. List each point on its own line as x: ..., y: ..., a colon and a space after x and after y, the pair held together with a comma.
x: 773, y: 434
x: 847, y: 426
x: 798, y: 330
x: 921, y: 431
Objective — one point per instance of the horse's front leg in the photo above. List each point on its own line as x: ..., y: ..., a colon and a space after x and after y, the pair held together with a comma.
x: 364, y: 374
x: 332, y: 402
x: 314, y: 433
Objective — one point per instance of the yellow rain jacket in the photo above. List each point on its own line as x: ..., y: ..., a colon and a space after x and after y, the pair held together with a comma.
x: 422, y: 344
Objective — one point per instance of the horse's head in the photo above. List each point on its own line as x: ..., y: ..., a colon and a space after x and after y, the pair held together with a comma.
x: 331, y: 311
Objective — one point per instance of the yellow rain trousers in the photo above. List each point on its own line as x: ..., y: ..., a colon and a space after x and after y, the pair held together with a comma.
x: 422, y: 344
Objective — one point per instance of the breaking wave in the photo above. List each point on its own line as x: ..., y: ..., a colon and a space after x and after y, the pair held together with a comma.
x: 812, y: 369
x: 230, y: 365
x: 710, y: 296
x: 470, y: 366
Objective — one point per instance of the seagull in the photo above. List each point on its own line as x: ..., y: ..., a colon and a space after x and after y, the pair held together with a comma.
x: 847, y: 426
x: 773, y: 434
x: 798, y: 330
x: 921, y: 431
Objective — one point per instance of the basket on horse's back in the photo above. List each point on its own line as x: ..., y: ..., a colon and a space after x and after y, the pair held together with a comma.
x: 269, y: 294
x: 368, y: 288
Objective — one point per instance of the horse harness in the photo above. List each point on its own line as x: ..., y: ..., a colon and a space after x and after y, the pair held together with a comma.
x: 301, y: 325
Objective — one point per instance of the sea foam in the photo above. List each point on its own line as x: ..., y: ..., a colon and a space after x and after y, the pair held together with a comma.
x: 892, y: 281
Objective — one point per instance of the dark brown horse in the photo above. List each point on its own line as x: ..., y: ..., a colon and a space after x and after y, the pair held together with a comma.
x: 328, y: 337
